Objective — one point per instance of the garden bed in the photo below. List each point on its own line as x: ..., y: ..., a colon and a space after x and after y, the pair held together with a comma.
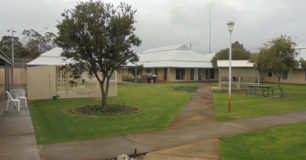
x: 112, y: 109
x: 187, y: 88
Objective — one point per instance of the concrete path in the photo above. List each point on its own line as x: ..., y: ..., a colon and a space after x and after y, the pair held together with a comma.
x: 155, y: 141
x: 198, y: 111
x: 206, y: 149
x: 17, y: 139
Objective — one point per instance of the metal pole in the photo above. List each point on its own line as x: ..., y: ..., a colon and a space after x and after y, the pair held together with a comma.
x: 230, y: 73
x: 210, y: 30
x: 135, y: 74
x: 13, y: 61
x: 210, y: 5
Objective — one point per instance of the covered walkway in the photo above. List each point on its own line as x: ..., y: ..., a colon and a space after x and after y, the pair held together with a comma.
x: 17, y: 138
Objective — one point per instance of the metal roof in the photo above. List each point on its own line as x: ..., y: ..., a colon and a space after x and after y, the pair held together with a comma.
x: 167, y: 48
x: 176, y: 56
x: 235, y: 63
x: 302, y: 53
x: 52, y: 57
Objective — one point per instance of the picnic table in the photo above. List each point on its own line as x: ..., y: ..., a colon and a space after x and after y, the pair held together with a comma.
x: 254, y: 87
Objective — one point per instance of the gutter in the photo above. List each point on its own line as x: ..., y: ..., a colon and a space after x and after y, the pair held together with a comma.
x: 5, y: 57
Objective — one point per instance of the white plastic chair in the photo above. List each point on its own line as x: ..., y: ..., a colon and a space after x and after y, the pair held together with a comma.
x: 21, y: 97
x: 12, y: 100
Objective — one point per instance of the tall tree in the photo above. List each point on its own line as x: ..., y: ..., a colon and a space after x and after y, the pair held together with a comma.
x: 303, y: 63
x: 236, y: 44
x: 238, y: 53
x: 98, y: 36
x: 277, y: 56
x: 37, y: 42
x: 20, y: 51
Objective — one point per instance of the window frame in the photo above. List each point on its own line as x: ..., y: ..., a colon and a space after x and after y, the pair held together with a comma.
x: 200, y: 74
x: 180, y: 74
x: 191, y: 74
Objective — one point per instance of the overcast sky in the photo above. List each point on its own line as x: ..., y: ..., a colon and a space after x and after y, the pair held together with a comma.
x: 167, y: 22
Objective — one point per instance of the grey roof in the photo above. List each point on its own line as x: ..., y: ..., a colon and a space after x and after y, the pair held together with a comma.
x: 174, y: 56
x: 52, y: 57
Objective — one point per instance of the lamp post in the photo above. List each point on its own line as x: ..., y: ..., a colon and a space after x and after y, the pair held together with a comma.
x: 13, y: 60
x: 230, y: 27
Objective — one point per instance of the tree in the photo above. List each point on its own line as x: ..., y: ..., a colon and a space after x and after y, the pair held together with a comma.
x: 277, y: 56
x: 37, y: 42
x: 238, y: 53
x: 236, y: 44
x: 98, y: 37
x: 303, y: 63
x: 20, y: 51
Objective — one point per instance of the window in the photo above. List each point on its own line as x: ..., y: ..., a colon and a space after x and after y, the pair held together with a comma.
x: 156, y: 71
x: 165, y: 73
x: 270, y: 74
x: 191, y: 74
x: 285, y: 75
x: 200, y: 74
x: 148, y: 70
x: 180, y: 74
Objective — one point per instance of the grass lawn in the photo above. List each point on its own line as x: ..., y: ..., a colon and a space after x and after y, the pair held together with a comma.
x: 159, y: 103
x: 281, y: 143
x: 287, y: 142
x: 244, y: 106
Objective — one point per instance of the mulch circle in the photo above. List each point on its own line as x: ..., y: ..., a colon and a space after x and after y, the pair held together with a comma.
x: 112, y: 109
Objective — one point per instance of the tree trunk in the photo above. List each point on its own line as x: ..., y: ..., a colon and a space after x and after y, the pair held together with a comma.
x: 104, y: 97
x: 279, y: 87
x: 104, y: 89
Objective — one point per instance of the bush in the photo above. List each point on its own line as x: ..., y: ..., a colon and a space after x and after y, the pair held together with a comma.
x: 139, y: 80
x: 124, y: 157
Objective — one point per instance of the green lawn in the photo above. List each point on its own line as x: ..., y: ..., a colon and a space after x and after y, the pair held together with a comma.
x: 244, y: 106
x: 159, y: 103
x: 281, y: 143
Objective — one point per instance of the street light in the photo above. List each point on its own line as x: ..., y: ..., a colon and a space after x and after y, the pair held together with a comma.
x: 13, y: 61
x: 230, y: 27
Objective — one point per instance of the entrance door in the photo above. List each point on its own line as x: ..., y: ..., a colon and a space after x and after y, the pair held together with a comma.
x: 210, y: 74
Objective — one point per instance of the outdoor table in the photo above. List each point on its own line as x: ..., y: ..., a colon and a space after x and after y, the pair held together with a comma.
x: 252, y: 87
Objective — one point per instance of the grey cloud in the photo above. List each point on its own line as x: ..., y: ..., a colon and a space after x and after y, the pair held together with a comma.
x: 164, y: 22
